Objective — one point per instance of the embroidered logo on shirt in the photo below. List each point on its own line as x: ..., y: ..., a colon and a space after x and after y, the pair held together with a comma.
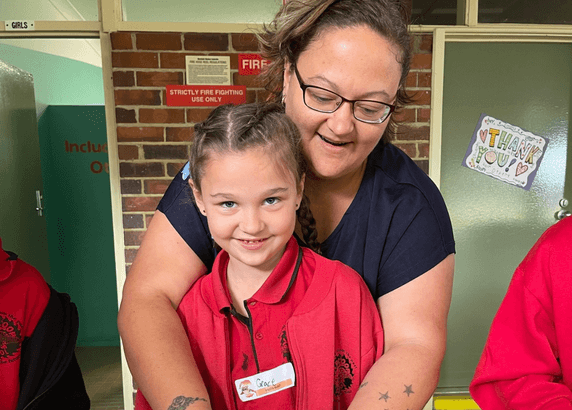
x: 284, y: 345
x: 10, y: 338
x: 344, y: 372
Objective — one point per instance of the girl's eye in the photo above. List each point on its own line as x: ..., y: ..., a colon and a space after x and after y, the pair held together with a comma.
x: 228, y: 204
x: 271, y: 201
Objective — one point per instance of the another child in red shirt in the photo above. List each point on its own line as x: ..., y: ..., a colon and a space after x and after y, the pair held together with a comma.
x: 274, y: 325
x: 527, y: 360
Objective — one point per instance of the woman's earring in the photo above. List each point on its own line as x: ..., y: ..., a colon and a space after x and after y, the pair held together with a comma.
x: 283, y: 100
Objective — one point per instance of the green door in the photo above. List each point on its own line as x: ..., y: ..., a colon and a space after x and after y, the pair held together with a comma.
x: 495, y: 224
x: 22, y: 228
x: 78, y: 212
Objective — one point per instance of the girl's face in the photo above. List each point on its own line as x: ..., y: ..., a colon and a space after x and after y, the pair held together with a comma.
x: 356, y: 63
x: 250, y: 203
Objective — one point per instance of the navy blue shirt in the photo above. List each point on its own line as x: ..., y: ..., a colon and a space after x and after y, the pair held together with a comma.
x: 396, y: 228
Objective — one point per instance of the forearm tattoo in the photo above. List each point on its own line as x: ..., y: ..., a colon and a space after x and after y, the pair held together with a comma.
x: 182, y: 402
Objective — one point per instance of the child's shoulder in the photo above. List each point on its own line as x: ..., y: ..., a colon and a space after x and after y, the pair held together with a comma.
x: 334, y: 270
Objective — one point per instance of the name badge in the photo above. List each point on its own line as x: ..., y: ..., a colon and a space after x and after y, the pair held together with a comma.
x: 265, y: 383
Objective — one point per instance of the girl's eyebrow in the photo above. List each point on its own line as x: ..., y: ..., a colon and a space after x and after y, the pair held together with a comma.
x: 270, y: 192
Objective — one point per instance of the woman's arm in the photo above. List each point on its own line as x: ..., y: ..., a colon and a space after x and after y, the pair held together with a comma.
x: 155, y: 343
x: 414, y: 320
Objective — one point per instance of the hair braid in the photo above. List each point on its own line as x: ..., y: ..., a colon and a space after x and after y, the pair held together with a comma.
x: 308, y: 224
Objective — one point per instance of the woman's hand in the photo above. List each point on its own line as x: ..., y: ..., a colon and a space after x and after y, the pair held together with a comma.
x: 156, y: 345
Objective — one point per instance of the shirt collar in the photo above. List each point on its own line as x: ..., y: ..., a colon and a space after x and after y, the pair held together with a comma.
x: 273, y: 289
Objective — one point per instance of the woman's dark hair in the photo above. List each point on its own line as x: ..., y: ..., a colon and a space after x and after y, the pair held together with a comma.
x: 237, y: 128
x: 300, y: 22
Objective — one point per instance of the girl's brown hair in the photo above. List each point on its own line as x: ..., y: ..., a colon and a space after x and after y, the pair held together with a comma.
x: 299, y: 22
x: 237, y: 128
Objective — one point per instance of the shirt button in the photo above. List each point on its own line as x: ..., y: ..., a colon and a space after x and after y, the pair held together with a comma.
x: 253, y: 303
x: 259, y: 336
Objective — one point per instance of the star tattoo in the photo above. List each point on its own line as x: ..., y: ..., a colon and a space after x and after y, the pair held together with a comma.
x: 384, y: 396
x: 408, y: 389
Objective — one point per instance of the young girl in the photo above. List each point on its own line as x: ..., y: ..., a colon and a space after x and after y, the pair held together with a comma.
x: 274, y: 325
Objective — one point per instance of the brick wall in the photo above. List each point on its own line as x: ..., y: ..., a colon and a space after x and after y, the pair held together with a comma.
x: 153, y: 138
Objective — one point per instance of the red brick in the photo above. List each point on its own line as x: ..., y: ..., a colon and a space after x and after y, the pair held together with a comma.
x: 247, y: 80
x: 157, y: 186
x: 140, y: 203
x: 121, y: 41
x: 423, y: 114
x: 127, y: 152
x: 233, y: 58
x: 408, y: 133
x: 174, y: 168
x: 206, y: 42
x: 158, y: 41
x: 244, y: 42
x: 128, y: 134
x: 250, y: 96
x: 426, y: 43
x: 198, y: 114
x: 421, y: 98
x: 131, y: 186
x: 424, y: 79
x: 261, y: 95
x: 158, y: 79
x: 423, y: 164
x: 130, y: 255
x: 133, y: 221
x: 148, y: 218
x: 411, y: 80
x: 137, y: 97
x: 409, y: 148
x: 161, y: 115
x: 147, y: 169
x: 404, y: 115
x: 123, y: 79
x: 133, y: 238
x: 180, y: 134
x: 420, y: 61
x: 423, y: 150
x: 174, y: 60
x: 166, y: 151
x: 134, y: 59
x: 124, y: 116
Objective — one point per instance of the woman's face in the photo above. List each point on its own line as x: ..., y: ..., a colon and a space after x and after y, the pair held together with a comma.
x: 356, y: 63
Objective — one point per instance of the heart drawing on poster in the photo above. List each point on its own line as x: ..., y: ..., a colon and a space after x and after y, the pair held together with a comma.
x: 484, y: 135
x: 520, y: 169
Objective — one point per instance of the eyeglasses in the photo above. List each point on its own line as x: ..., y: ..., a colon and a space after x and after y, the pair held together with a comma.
x: 322, y: 100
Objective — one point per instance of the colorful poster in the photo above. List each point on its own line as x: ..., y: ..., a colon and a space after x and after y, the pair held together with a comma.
x: 505, y: 152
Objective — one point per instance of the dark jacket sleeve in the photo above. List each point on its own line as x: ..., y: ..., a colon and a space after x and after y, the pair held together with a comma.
x: 50, y: 376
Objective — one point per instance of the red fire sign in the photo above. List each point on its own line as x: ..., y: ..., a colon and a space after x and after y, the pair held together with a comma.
x: 205, y: 95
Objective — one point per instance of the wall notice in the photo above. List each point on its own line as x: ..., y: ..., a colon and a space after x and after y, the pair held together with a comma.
x: 251, y: 64
x: 205, y: 95
x: 207, y: 70
x: 505, y: 152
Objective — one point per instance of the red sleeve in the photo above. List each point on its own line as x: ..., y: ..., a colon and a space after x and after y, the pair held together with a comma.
x: 521, y: 365
x: 35, y: 292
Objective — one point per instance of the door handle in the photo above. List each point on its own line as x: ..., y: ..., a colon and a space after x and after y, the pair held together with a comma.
x: 563, y: 213
x: 39, y: 207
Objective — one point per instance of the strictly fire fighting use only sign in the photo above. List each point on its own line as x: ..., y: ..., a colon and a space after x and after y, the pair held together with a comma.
x: 205, y: 95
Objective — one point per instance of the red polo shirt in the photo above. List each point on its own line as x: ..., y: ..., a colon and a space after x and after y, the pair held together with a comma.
x: 258, y: 343
x: 24, y: 296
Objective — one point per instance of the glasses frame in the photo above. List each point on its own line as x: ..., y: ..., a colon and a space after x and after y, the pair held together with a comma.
x: 304, y: 87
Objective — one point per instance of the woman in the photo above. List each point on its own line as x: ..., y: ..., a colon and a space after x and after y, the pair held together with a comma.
x: 339, y: 67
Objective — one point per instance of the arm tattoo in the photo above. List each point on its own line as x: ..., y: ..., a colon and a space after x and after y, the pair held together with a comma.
x: 363, y: 384
x: 384, y: 396
x: 408, y: 389
x: 182, y: 402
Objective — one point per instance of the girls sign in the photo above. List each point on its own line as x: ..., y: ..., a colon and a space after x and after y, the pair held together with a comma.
x: 504, y: 151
